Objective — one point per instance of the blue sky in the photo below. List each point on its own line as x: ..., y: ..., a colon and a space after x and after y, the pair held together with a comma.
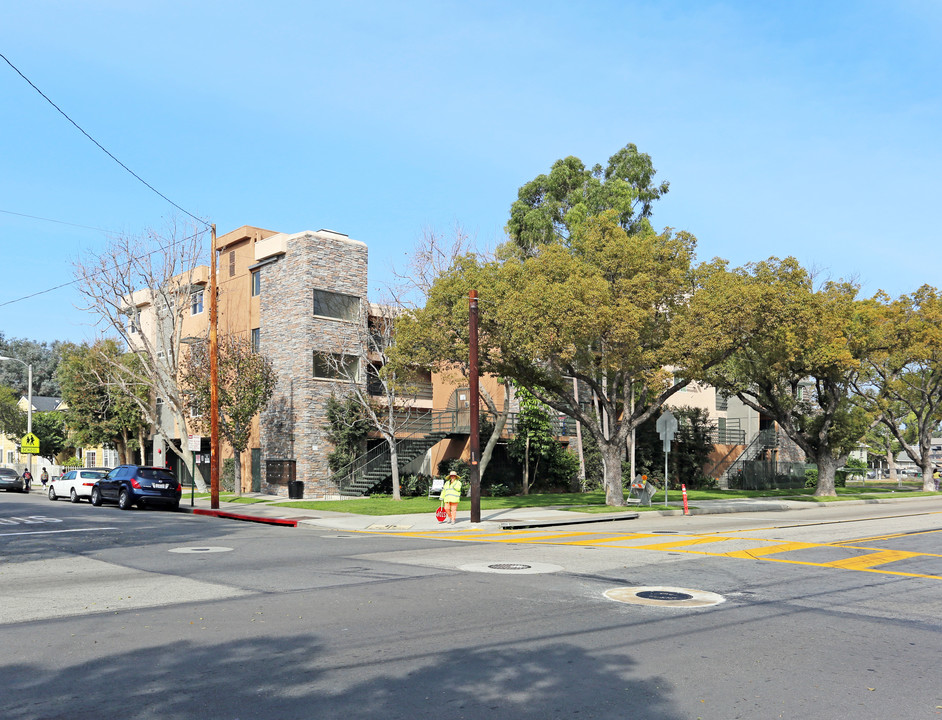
x: 785, y: 128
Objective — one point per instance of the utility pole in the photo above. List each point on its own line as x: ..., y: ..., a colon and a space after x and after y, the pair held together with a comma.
x: 473, y: 390
x: 213, y: 379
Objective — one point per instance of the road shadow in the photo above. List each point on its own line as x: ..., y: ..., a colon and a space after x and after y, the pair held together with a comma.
x: 288, y: 678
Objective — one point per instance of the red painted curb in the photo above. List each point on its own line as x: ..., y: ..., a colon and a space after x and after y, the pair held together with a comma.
x: 247, y: 518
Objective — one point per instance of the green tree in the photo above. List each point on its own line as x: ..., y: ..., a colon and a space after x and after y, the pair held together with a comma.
x: 801, y: 362
x: 246, y: 382
x: 550, y: 207
x: 44, y: 357
x: 347, y: 430
x: 902, y: 382
x: 99, y: 411
x: 12, y: 417
x: 533, y: 439
x: 610, y: 309
x: 50, y: 428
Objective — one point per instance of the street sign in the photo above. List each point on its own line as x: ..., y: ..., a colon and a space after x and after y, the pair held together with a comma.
x: 666, y: 426
x: 29, y: 445
x: 195, y: 442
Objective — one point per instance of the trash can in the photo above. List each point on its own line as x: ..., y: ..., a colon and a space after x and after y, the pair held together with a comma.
x: 295, y: 489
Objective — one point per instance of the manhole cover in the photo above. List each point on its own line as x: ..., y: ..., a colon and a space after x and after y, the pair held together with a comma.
x: 511, y: 568
x: 664, y: 596
x: 200, y: 550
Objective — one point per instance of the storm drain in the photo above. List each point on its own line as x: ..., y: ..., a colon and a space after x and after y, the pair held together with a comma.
x: 511, y: 568
x: 200, y: 550
x: 664, y: 596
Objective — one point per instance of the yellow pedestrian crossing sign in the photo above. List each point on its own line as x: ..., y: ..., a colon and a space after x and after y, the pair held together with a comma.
x: 29, y: 445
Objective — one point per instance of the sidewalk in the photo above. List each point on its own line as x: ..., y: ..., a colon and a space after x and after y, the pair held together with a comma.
x: 276, y: 513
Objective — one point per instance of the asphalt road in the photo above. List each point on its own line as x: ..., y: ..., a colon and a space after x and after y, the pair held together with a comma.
x: 832, y: 613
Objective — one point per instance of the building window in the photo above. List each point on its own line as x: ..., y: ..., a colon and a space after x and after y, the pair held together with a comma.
x: 336, y: 305
x: 196, y: 302
x: 132, y: 324
x: 722, y: 401
x: 256, y: 339
x: 231, y: 263
x: 11, y: 457
x: 256, y: 283
x: 159, y: 405
x: 90, y: 457
x: 335, y: 366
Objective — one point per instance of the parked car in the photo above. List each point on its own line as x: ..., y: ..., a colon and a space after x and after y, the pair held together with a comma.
x: 12, y: 480
x: 129, y: 485
x: 76, y: 484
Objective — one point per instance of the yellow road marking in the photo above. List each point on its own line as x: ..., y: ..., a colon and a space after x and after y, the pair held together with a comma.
x: 892, y: 536
x: 870, y: 560
x: 756, y: 553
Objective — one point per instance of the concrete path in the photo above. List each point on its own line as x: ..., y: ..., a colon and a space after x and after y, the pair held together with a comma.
x: 278, y: 513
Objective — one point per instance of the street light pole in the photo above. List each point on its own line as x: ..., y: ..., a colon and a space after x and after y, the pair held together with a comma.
x: 29, y: 401
x: 213, y: 380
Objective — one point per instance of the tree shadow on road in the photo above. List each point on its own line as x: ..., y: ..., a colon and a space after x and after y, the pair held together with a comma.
x: 292, y: 677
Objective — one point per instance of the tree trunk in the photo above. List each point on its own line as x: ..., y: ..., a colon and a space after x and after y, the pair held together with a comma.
x: 143, y: 448
x: 612, y: 453
x: 827, y: 466
x: 499, y: 422
x: 526, y: 467
x: 891, y: 463
x: 394, y: 464
x: 928, y: 484
x: 237, y: 471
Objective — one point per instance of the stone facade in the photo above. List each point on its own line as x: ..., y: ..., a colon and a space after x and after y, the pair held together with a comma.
x: 292, y: 267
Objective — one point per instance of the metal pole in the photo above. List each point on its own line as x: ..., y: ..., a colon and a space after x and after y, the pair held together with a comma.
x: 193, y: 479
x: 29, y: 412
x: 666, y: 453
x: 475, y: 440
x: 213, y: 380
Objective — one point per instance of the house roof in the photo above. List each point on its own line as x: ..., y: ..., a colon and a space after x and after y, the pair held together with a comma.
x: 43, y: 403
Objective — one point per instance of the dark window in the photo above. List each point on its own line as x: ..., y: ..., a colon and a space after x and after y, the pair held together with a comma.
x: 231, y: 263
x: 256, y: 283
x: 155, y: 474
x: 196, y: 303
x: 334, y: 366
x: 335, y: 305
x: 256, y: 339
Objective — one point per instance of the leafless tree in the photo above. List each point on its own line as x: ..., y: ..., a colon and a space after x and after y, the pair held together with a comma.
x: 141, y: 288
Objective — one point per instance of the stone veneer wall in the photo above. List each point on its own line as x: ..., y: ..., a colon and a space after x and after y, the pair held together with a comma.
x: 293, y: 426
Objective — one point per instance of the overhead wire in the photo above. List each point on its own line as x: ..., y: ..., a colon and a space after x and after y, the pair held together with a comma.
x: 102, y: 147
x: 88, y: 227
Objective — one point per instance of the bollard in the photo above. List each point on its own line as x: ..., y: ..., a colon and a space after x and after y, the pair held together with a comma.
x: 684, y: 490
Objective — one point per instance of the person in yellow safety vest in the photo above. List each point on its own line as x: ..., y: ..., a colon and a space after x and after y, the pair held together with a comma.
x: 451, y: 493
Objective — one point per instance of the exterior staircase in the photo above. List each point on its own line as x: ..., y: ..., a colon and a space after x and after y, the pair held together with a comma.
x: 375, y: 466
x: 763, y: 441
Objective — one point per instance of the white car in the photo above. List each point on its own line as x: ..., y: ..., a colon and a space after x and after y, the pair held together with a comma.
x: 76, y: 484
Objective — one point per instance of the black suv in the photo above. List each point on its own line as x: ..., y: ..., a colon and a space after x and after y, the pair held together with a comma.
x: 130, y: 485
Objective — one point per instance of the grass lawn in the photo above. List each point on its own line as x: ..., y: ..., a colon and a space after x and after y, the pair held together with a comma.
x: 591, y: 502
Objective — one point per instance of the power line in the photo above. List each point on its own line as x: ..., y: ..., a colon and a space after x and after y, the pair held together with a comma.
x: 160, y: 248
x: 60, y: 222
x: 103, y: 149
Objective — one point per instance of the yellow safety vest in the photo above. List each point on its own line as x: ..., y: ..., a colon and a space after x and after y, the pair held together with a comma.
x: 451, y: 492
